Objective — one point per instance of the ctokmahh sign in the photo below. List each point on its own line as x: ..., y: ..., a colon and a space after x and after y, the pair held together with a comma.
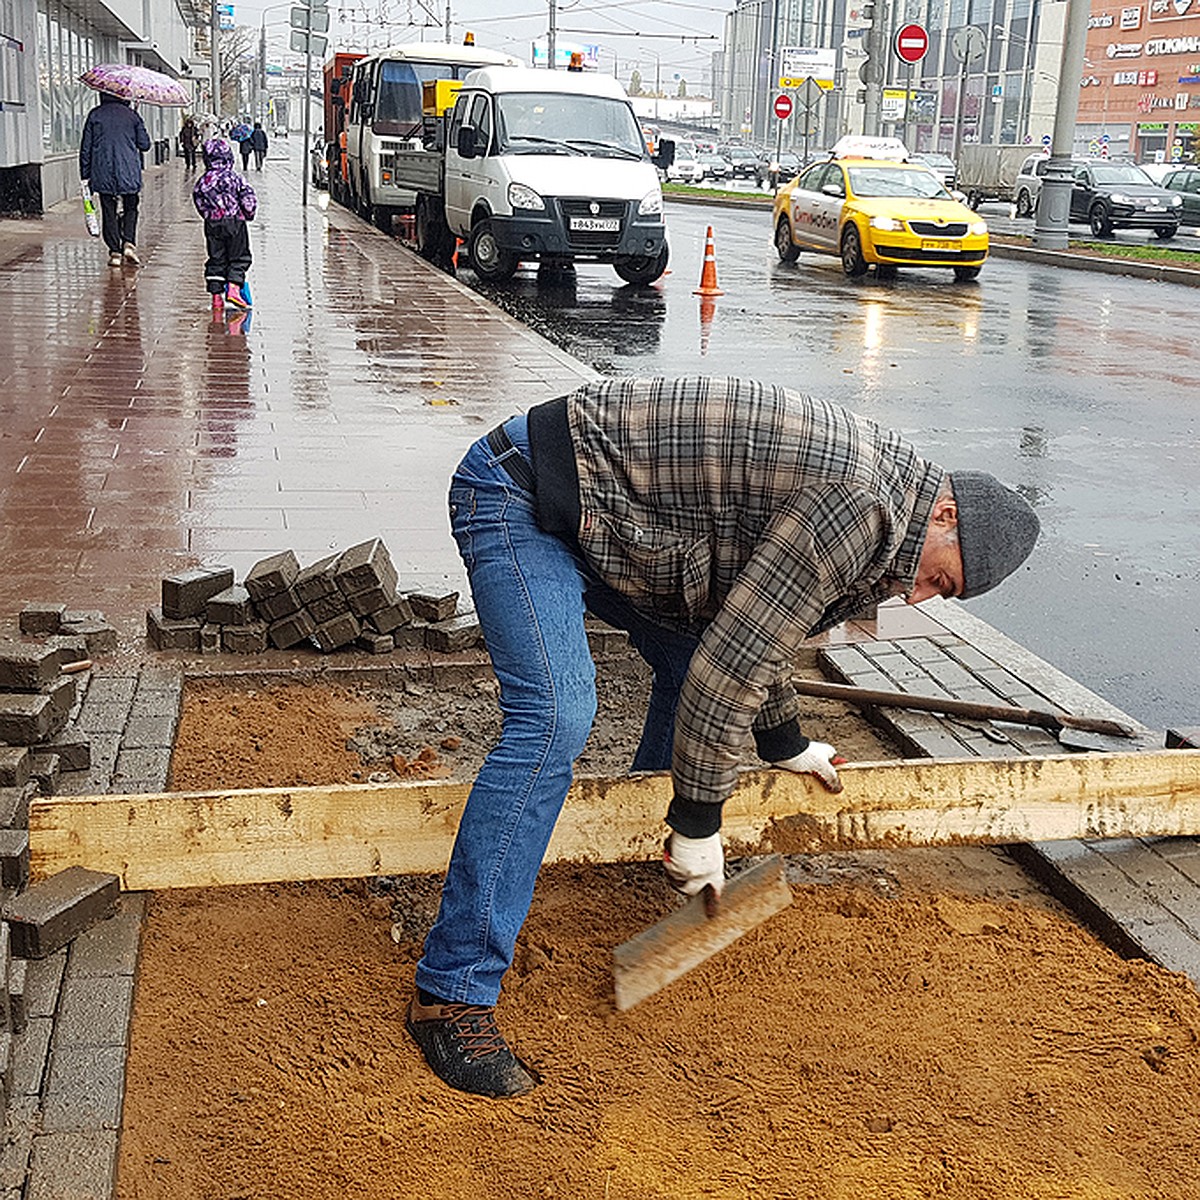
x: 783, y: 107
x: 912, y: 43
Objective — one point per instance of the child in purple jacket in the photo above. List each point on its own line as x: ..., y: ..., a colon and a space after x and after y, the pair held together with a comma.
x: 226, y: 202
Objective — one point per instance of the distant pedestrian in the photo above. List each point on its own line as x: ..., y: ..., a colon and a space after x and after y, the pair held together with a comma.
x: 258, y: 143
x: 245, y: 147
x: 189, y: 142
x: 226, y: 202
x: 110, y: 159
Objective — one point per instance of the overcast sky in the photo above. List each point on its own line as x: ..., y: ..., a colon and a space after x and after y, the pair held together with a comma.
x: 676, y: 38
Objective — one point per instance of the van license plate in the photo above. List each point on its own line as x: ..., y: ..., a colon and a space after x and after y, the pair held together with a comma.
x: 939, y: 245
x: 595, y: 224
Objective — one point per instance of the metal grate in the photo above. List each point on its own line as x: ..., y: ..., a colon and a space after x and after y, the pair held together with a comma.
x: 933, y: 229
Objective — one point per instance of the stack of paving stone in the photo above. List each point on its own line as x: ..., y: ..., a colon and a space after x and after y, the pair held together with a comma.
x: 347, y: 599
x: 39, y: 693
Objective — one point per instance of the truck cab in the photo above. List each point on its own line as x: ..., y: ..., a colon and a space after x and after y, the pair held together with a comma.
x: 552, y: 166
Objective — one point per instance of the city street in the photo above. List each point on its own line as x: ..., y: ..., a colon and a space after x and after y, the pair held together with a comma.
x: 1074, y: 385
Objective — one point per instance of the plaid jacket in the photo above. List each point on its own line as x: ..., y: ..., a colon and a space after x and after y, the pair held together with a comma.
x: 754, y: 516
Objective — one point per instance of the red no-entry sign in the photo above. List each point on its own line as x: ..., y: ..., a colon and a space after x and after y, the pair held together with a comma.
x: 783, y: 107
x: 912, y: 43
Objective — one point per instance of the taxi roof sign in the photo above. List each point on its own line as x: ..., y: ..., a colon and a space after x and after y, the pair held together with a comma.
x: 854, y: 145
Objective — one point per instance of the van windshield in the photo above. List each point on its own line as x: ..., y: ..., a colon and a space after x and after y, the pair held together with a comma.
x: 398, y: 107
x: 551, y: 123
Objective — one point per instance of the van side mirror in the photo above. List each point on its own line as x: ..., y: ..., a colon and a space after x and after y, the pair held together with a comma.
x: 466, y: 141
x: 666, y: 154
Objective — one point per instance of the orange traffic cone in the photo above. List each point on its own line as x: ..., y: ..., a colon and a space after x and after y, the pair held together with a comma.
x: 708, y: 276
x: 708, y: 310
x: 454, y: 257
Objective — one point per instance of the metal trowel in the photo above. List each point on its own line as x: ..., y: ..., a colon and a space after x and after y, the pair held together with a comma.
x: 694, y: 933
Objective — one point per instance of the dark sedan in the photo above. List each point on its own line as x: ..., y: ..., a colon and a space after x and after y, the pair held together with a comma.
x: 1109, y: 195
x: 1186, y: 181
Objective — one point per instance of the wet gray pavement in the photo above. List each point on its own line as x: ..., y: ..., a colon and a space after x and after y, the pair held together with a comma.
x: 140, y: 436
x: 1075, y: 386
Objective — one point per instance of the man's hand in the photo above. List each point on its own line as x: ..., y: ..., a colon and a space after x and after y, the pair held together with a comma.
x: 693, y: 863
x: 819, y: 759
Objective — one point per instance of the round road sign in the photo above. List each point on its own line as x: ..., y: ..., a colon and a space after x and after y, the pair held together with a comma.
x: 783, y: 107
x: 912, y: 43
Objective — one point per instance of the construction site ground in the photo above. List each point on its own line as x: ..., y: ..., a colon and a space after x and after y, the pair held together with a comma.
x: 918, y: 1023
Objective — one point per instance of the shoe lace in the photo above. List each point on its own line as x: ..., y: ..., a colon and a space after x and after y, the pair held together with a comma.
x: 475, y: 1027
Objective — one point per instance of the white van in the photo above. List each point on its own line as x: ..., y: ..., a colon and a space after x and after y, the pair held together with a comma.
x: 551, y: 165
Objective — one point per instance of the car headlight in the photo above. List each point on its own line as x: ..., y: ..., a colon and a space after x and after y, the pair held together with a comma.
x: 520, y: 196
x: 978, y: 228
x: 1175, y: 201
x: 651, y: 205
x: 888, y: 223
x: 1120, y: 198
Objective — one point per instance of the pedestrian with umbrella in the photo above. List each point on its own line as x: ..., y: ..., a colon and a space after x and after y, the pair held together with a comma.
x: 114, y: 139
x: 241, y: 133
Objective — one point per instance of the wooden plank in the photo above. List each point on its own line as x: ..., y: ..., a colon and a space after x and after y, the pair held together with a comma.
x: 190, y: 839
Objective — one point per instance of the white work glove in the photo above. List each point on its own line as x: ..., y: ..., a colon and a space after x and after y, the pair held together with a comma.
x: 819, y: 759
x: 694, y: 863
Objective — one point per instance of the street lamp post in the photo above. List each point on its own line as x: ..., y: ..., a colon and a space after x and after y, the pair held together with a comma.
x: 657, y: 80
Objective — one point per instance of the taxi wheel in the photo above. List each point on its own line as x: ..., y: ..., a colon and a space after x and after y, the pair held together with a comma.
x: 853, y: 262
x: 965, y: 273
x: 787, y: 250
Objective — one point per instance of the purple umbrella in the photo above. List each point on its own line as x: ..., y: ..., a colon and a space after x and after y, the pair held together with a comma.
x: 137, y: 83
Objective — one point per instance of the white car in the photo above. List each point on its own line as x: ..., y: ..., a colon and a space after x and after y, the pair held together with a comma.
x: 687, y: 167
x: 279, y: 131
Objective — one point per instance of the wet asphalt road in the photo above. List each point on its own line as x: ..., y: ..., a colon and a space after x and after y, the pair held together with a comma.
x: 1076, y: 387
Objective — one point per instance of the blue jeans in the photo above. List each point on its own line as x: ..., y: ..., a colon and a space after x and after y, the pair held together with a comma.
x: 530, y: 590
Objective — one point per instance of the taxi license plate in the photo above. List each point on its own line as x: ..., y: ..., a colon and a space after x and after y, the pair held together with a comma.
x: 939, y: 245
x: 595, y: 224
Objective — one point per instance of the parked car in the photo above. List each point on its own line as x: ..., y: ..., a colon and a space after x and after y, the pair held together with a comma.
x: 1186, y: 181
x: 685, y: 168
x: 1029, y: 183
x: 1111, y: 195
x: 878, y: 210
x: 715, y: 167
x: 942, y: 165
x: 771, y: 169
x: 280, y: 131
x: 743, y: 162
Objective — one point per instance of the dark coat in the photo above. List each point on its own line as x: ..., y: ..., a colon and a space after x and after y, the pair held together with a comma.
x: 109, y: 157
x: 258, y: 139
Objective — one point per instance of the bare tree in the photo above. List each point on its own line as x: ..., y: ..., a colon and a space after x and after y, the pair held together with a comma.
x: 237, y: 44
x: 635, y: 84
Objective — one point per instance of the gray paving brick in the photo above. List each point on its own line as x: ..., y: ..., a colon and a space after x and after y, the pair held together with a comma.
x: 31, y: 1052
x: 111, y: 947
x: 93, y: 1012
x: 97, y: 779
x: 73, y: 1166
x: 84, y: 1088
x: 20, y: 1127
x: 143, y: 766
x: 971, y: 657
x: 111, y: 689
x: 102, y: 717
x: 142, y: 733
x: 42, y: 982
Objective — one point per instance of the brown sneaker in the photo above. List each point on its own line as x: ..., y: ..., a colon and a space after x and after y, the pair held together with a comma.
x: 466, y: 1049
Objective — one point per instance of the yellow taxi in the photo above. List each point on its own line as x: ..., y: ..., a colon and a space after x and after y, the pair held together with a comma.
x: 869, y: 205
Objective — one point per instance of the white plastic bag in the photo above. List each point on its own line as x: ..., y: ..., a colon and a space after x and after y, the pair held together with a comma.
x: 91, y: 218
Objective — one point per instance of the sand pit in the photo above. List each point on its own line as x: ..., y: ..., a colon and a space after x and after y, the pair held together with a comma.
x: 918, y: 1024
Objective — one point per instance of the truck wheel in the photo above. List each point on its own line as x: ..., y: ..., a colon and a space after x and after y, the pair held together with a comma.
x: 434, y: 239
x: 381, y: 217
x: 489, y: 260
x: 642, y: 270
x: 853, y: 262
x: 1099, y: 220
x: 787, y: 250
x: 1024, y: 204
x: 1165, y: 232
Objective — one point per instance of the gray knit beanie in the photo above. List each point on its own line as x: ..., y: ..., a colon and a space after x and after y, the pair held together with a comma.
x: 996, y: 530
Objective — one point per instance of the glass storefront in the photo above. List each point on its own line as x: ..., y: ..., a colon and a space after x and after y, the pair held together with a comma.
x: 67, y: 46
